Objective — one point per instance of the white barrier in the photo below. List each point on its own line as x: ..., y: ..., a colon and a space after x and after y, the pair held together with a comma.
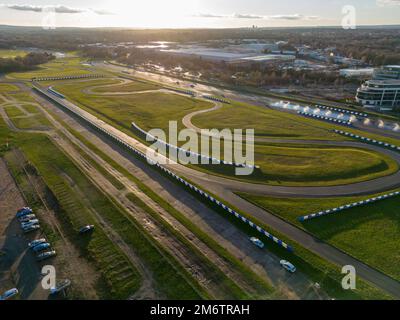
x: 338, y: 121
x: 368, y: 140
x: 342, y: 110
x: 167, y: 171
x: 347, y: 206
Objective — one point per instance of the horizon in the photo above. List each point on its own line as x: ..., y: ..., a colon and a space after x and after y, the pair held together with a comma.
x: 198, y: 14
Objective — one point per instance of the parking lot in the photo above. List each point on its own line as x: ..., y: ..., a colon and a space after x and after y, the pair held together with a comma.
x: 18, y: 266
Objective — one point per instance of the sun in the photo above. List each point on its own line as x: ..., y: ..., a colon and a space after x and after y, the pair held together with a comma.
x: 153, y: 13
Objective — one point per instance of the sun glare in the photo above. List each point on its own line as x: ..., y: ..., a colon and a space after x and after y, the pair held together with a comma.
x: 154, y: 13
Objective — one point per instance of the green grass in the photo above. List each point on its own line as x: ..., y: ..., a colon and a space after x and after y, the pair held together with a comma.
x: 6, y: 87
x: 148, y: 110
x: 30, y: 108
x: 8, y: 54
x: 21, y: 121
x: 58, y: 67
x: 13, y: 112
x: 370, y: 233
x: 129, y: 87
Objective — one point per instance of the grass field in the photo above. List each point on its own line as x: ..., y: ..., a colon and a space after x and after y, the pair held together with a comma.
x: 370, y: 233
x: 129, y: 87
x: 148, y: 110
x: 6, y: 87
x: 7, y: 54
x: 36, y: 121
x: 265, y: 122
x: 58, y: 67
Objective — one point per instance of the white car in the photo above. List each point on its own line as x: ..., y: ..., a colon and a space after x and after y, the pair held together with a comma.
x: 288, y: 266
x: 9, y: 294
x: 31, y: 228
x: 46, y: 255
x: 27, y: 218
x: 257, y: 242
x: 34, y: 243
x: 29, y: 223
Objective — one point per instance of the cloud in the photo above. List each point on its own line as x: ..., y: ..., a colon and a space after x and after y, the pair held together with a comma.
x: 253, y: 16
x: 384, y: 3
x: 57, y: 9
x: 247, y: 16
x: 208, y: 15
x: 287, y: 17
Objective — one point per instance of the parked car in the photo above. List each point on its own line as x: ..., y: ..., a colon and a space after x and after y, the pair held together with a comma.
x: 27, y: 218
x: 29, y: 223
x: 86, y: 229
x: 9, y: 294
x: 41, y: 247
x: 36, y: 242
x: 257, y: 242
x: 24, y: 211
x: 62, y: 285
x: 288, y: 266
x: 45, y: 255
x: 31, y: 228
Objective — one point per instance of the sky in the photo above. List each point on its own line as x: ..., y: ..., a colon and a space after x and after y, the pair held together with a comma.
x: 198, y: 13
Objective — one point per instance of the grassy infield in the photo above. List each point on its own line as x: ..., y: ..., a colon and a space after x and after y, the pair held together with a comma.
x: 314, y: 266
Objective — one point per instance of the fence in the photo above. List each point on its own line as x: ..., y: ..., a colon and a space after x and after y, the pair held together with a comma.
x: 348, y: 206
x: 368, y: 140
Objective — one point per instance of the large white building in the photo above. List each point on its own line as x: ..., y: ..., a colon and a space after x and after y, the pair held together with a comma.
x: 379, y: 94
x: 387, y: 73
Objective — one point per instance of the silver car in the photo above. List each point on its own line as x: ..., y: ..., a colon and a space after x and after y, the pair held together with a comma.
x: 46, y: 255
x: 36, y: 242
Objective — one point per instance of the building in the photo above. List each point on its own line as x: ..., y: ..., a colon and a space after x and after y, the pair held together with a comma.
x: 357, y: 73
x: 383, y: 95
x: 387, y: 73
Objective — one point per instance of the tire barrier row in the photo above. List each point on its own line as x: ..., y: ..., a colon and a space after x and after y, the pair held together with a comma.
x: 169, y: 172
x: 342, y: 110
x: 368, y: 140
x: 316, y: 116
x: 216, y: 99
x: 188, y: 92
x: 198, y: 156
x: 84, y: 76
x: 348, y: 206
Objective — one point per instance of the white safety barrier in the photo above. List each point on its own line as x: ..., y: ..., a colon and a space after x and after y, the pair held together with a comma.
x: 348, y: 206
x: 51, y: 90
x: 167, y: 171
x: 191, y: 153
x: 316, y: 116
x: 368, y: 140
x: 360, y: 114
